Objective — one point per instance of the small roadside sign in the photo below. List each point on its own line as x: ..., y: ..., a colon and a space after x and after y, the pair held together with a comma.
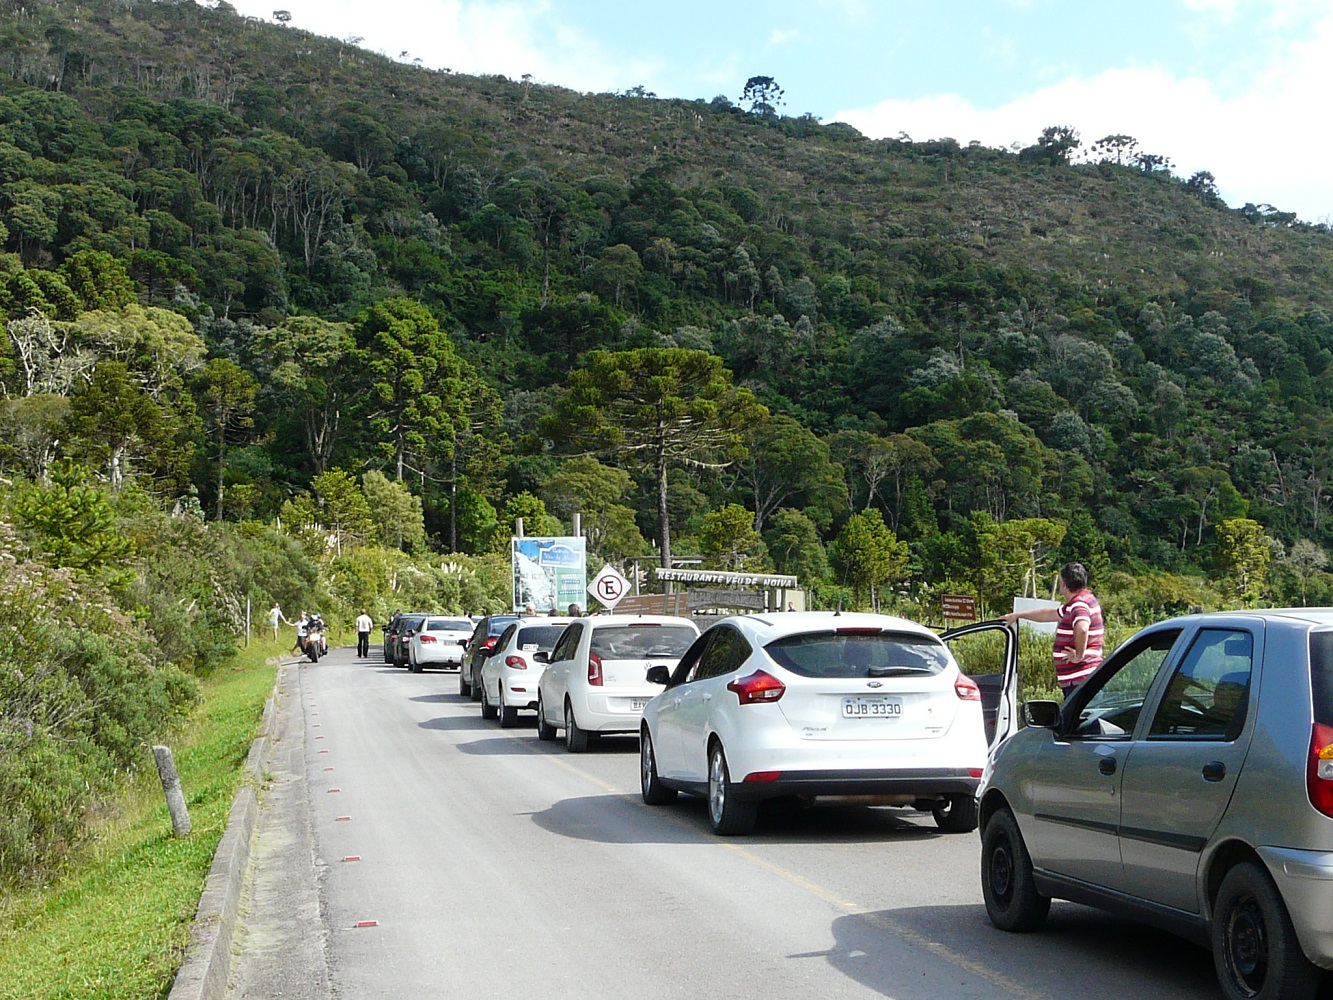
x: 609, y: 586
x: 959, y: 607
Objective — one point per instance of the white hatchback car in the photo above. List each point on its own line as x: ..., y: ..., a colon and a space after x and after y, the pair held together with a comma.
x: 514, y: 665
x: 435, y: 643
x: 813, y: 704
x: 596, y: 680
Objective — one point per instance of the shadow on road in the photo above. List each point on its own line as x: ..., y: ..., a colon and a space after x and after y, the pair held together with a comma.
x: 457, y: 722
x: 439, y: 698
x: 1081, y: 953
x: 687, y: 822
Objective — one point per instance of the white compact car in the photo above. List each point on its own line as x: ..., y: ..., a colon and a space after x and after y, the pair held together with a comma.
x: 596, y: 681
x: 435, y: 643
x: 511, y: 668
x: 820, y: 704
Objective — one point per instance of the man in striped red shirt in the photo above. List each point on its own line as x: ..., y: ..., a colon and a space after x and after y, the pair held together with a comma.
x: 1078, y: 627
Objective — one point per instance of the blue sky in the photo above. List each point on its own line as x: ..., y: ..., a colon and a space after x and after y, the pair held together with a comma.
x: 1237, y: 87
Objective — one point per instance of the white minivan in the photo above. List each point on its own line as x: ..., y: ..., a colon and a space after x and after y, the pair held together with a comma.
x: 596, y: 678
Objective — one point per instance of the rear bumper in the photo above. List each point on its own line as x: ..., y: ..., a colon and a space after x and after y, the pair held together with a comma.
x: 1305, y: 879
x: 925, y: 783
x: 437, y: 658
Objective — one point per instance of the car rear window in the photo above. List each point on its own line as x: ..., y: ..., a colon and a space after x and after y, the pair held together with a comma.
x: 641, y: 641
x: 449, y: 625
x: 539, y: 636
x: 499, y: 624
x: 410, y: 624
x: 1321, y: 676
x: 834, y: 654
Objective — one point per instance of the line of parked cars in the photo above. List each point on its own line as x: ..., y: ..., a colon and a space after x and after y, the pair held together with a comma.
x: 1188, y: 783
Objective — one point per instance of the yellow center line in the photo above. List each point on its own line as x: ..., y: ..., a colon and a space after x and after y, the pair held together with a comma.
x: 878, y: 919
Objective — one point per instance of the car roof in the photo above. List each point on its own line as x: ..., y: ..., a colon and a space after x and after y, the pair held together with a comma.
x: 451, y: 618
x: 765, y: 628
x: 544, y: 620
x: 1307, y: 616
x: 602, y: 621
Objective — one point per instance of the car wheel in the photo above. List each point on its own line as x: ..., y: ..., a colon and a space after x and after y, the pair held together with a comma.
x: 474, y: 686
x: 387, y: 657
x: 955, y: 813
x: 728, y: 816
x: 576, y: 740
x: 545, y: 731
x: 654, y: 792
x: 487, y: 709
x: 1012, y: 900
x: 508, y: 713
x: 414, y: 666
x: 1255, y: 950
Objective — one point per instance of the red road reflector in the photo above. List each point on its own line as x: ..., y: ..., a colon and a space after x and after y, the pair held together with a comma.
x: 319, y: 737
x: 352, y: 857
x: 342, y: 819
x: 323, y: 751
x: 314, y: 725
x: 332, y: 790
x: 328, y: 768
x: 367, y: 923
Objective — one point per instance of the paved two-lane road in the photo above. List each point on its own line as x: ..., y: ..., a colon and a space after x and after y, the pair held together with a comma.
x: 494, y: 865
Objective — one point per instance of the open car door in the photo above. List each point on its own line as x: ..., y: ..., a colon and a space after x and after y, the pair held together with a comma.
x: 988, y: 653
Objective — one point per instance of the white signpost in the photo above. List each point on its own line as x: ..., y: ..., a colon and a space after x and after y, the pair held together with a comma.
x: 609, y: 586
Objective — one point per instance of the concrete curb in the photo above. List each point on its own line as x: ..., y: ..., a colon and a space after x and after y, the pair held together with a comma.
x: 204, y: 972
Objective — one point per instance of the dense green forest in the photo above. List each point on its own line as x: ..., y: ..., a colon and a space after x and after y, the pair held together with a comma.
x: 292, y: 321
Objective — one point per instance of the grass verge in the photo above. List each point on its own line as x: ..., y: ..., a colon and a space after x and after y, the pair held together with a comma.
x: 115, y: 925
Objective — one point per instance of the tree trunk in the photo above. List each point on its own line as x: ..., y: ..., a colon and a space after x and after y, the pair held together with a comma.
x: 663, y: 515
x: 222, y: 472
x: 453, y: 499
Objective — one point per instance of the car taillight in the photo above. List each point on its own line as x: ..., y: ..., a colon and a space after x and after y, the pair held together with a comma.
x: 490, y: 642
x: 594, y: 669
x: 966, y: 689
x: 517, y: 662
x: 428, y: 638
x: 1319, y: 771
x: 757, y: 688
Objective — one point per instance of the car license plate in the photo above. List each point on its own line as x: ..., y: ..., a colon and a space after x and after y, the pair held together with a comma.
x: 872, y: 707
x: 638, y: 704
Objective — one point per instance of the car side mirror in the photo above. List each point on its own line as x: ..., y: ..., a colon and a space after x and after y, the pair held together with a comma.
x: 541, y: 656
x: 464, y: 642
x: 1041, y: 714
x: 659, y: 675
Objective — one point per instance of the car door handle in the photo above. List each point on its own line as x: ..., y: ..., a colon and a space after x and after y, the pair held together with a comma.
x: 1214, y: 770
x: 676, y: 703
x: 706, y: 696
x: 1106, y: 765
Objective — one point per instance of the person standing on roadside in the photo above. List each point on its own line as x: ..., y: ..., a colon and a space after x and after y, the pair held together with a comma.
x: 302, y: 627
x: 363, y: 627
x: 275, y: 616
x: 1079, y: 628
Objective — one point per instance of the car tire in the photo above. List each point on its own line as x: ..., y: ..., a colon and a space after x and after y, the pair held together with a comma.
x: 728, y: 816
x: 576, y: 739
x: 474, y: 686
x: 654, y: 792
x: 464, y: 689
x: 1012, y: 900
x: 545, y: 731
x: 388, y: 658
x: 1255, y: 950
x: 414, y: 666
x: 508, y: 713
x: 955, y: 814
x: 487, y: 709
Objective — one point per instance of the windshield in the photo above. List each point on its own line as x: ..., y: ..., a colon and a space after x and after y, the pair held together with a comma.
x: 879, y: 654
x: 642, y: 641
x: 448, y: 625
x: 535, y: 637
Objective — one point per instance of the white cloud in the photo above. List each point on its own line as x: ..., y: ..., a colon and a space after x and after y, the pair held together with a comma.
x: 1265, y: 145
x: 512, y: 37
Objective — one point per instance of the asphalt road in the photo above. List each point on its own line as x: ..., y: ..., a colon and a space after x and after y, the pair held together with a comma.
x: 489, y: 864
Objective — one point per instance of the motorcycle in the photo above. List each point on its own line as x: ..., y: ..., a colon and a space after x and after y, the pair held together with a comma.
x: 316, y: 645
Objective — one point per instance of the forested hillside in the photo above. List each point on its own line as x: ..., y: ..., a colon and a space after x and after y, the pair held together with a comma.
x: 307, y: 285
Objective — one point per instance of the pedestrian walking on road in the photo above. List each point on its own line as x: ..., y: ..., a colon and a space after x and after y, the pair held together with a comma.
x: 275, y: 616
x: 363, y: 627
x: 1078, y: 628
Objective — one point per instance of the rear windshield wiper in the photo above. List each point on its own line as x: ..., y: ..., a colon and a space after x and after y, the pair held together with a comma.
x: 898, y: 671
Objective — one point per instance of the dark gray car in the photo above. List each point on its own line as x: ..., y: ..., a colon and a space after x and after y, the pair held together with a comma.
x: 1187, y: 783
